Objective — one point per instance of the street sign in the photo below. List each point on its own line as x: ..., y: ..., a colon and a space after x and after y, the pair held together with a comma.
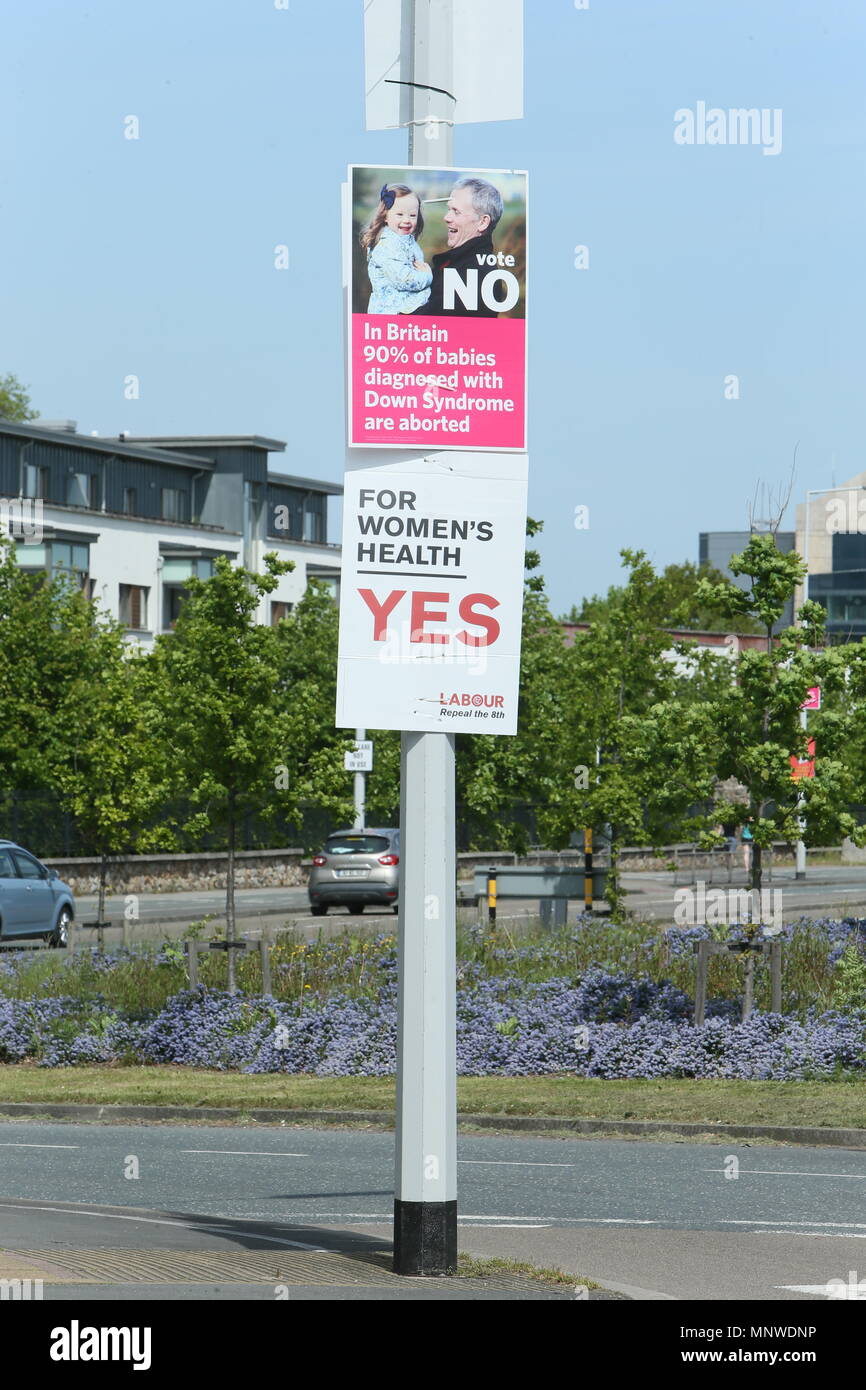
x: 481, y: 68
x: 432, y: 594
x: 813, y: 698
x: 360, y: 757
x: 437, y: 308
x: 804, y: 767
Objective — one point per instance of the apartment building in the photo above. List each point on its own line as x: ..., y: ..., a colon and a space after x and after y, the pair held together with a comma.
x: 133, y: 519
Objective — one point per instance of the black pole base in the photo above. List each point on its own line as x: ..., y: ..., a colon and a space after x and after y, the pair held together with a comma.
x: 425, y: 1238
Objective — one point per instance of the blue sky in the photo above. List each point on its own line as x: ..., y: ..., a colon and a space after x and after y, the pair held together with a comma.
x: 155, y: 257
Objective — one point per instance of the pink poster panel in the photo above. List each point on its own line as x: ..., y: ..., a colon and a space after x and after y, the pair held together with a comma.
x: 437, y: 304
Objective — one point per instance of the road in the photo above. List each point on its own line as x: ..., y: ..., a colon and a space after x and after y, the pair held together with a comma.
x: 827, y: 891
x: 651, y: 1220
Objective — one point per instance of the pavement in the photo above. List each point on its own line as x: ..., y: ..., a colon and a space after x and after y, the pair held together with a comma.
x: 826, y: 891
x: 184, y: 1211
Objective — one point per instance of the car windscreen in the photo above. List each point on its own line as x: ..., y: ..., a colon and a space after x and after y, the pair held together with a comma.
x: 356, y: 844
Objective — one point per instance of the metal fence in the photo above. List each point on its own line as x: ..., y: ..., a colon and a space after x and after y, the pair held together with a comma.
x: 40, y: 821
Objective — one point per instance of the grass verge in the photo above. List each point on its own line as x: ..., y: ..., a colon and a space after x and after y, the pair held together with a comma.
x: 825, y: 1104
x: 473, y: 1267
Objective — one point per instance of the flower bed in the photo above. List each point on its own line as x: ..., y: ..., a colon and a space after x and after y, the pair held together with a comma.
x: 594, y: 1021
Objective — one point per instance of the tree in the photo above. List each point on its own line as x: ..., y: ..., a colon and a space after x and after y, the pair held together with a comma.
x: 14, y: 400
x: 672, y: 600
x: 314, y: 748
x: 755, y: 718
x: 71, y: 724
x: 635, y: 731
x: 111, y: 776
x: 216, y: 687
x: 46, y: 633
x: 495, y: 774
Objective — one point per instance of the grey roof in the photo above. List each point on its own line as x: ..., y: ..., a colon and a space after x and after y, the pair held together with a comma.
x: 213, y: 441
x: 103, y: 445
x: 309, y: 484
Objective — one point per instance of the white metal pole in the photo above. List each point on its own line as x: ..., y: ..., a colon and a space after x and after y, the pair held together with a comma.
x: 360, y: 788
x: 425, y: 1194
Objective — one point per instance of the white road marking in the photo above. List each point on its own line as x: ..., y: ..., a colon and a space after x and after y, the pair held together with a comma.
x: 552, y: 1220
x: 159, y: 1221
x: 821, y: 1235
x: 514, y: 1226
x: 819, y: 1289
x: 40, y: 1146
x: 790, y: 1173
x: 254, y: 1153
x: 513, y: 1163
x: 852, y: 1225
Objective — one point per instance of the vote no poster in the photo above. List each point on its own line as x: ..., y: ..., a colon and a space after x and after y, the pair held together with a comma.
x: 431, y: 594
x: 437, y: 307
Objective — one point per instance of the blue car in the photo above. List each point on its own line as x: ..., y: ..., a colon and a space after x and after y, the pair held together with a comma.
x: 34, y: 902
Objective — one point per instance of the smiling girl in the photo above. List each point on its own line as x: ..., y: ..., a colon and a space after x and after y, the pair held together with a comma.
x: 399, y: 276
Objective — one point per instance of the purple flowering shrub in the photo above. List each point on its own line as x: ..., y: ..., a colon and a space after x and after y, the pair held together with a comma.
x: 58, y: 1031
x: 545, y: 1007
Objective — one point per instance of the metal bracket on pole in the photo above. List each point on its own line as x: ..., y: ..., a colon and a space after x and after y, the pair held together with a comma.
x: 705, y: 949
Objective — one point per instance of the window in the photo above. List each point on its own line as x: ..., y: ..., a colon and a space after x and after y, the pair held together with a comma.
x: 180, y: 570
x: 64, y: 559
x: 130, y: 501
x: 133, y: 607
x: 172, y: 601
x: 177, y: 570
x: 329, y: 581
x: 72, y: 563
x: 35, y: 480
x: 280, y: 611
x: 32, y: 557
x: 314, y: 520
x: 79, y: 489
x: 27, y: 867
x: 175, y: 504
x: 356, y: 844
x: 7, y: 868
x: 849, y: 551
x: 70, y: 558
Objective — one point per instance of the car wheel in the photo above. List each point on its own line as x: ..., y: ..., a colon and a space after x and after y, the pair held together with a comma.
x: 395, y: 908
x: 356, y: 909
x: 59, y: 938
x: 317, y: 910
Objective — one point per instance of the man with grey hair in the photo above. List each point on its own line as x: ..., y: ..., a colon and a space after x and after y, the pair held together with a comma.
x: 474, y: 209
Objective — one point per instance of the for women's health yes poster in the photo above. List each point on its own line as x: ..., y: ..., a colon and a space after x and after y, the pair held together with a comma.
x: 437, y: 308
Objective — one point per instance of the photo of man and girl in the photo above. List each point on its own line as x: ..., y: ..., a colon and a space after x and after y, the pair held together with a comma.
x: 464, y: 222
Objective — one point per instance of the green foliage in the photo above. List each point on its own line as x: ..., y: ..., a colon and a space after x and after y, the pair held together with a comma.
x: 494, y: 773
x: 636, y: 738
x: 14, y: 400
x: 752, y: 724
x: 674, y: 600
x: 140, y: 982
x: 849, y: 981
x: 219, y: 715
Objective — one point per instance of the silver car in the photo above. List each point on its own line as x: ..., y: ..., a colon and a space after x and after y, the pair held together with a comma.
x: 355, y: 867
x: 34, y: 902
